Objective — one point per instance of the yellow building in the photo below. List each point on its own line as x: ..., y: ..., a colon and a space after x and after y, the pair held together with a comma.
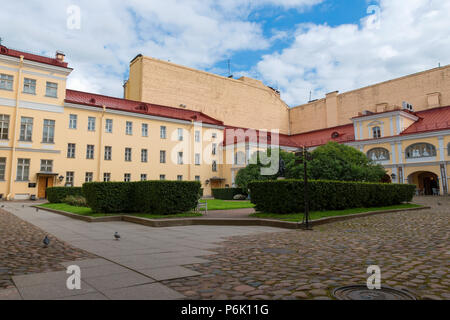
x: 184, y: 124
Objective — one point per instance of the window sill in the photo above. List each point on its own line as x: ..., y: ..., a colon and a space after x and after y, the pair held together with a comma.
x: 25, y: 141
x: 45, y: 142
x: 30, y: 93
x: 24, y: 181
x: 53, y: 97
x: 11, y: 90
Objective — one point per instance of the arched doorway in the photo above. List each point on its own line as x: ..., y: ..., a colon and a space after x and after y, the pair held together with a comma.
x: 427, y: 182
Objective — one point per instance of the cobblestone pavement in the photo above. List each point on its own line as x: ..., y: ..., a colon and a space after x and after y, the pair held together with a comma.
x: 411, y: 248
x: 22, y: 250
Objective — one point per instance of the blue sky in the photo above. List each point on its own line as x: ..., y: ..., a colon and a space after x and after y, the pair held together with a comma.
x: 297, y: 46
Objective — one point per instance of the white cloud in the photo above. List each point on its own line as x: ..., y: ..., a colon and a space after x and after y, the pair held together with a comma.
x: 197, y: 33
x: 412, y: 36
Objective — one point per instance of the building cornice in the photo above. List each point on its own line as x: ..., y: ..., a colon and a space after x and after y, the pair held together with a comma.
x: 35, y: 65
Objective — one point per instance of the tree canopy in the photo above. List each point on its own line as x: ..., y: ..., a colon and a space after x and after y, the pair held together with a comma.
x: 332, y: 161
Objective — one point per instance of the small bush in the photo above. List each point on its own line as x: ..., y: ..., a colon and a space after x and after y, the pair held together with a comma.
x: 287, y: 196
x: 156, y: 197
x: 77, y: 201
x: 58, y: 194
x: 226, y: 193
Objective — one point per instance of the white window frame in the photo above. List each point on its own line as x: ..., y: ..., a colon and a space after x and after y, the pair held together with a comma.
x: 46, y: 166
x: 26, y: 129
x: 73, y: 121
x: 4, y: 126
x: 180, y: 134
x: 163, y: 132
x: 144, y: 155
x: 127, y: 177
x: 109, y: 125
x: 23, y: 169
x: 197, y: 159
x: 71, y: 152
x: 129, y: 128
x: 6, y: 82
x: 29, y: 86
x: 91, y: 123
x: 51, y: 90
x: 106, y: 177
x: 70, y: 178
x: 90, y: 152
x: 179, y: 177
x: 144, y: 130
x: 143, y: 177
x: 89, y: 177
x: 180, y: 158
x: 162, y: 156
x: 128, y: 154
x: 2, y: 168
x: 48, y: 135
x: 108, y: 153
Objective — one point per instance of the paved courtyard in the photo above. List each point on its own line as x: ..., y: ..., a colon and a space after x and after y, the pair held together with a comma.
x: 211, y: 262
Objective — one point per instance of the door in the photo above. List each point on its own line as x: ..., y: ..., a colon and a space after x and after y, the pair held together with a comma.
x: 43, y: 184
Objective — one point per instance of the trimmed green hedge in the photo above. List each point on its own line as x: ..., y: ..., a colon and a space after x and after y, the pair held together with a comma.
x: 226, y: 193
x: 287, y: 196
x: 58, y: 194
x: 155, y: 197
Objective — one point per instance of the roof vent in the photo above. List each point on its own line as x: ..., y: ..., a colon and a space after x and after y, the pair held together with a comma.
x: 93, y: 101
x: 335, y: 135
x: 60, y: 56
x: 3, y: 50
x: 183, y: 106
x: 407, y: 106
x: 367, y: 113
x: 142, y: 107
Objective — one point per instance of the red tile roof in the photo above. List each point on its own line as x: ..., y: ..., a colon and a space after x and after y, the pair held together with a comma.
x: 341, y: 134
x: 97, y: 100
x: 32, y: 57
x: 430, y: 120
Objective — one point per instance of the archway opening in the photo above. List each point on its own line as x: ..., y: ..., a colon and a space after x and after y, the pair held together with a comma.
x: 427, y: 182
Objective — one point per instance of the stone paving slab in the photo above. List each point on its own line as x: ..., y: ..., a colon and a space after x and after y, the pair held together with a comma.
x: 154, y: 291
x: 169, y: 273
x: 116, y: 281
x: 52, y: 291
x: 10, y: 294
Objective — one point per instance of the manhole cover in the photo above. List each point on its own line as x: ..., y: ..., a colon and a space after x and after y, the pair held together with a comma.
x: 278, y: 250
x: 363, y: 293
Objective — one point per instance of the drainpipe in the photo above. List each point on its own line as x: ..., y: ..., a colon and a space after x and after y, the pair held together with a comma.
x: 100, y: 142
x: 14, y: 138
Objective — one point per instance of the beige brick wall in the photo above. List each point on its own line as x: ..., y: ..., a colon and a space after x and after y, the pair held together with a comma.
x: 241, y: 102
x: 428, y: 89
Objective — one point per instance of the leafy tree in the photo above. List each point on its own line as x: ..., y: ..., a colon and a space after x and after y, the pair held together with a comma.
x: 332, y: 161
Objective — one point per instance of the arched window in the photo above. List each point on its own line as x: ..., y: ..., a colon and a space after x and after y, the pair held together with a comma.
x: 378, y: 154
x: 376, y: 132
x: 239, y: 158
x: 420, y: 150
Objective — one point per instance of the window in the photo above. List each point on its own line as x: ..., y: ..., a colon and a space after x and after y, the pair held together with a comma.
x: 127, y: 177
x: 239, y: 158
x: 2, y: 168
x: 108, y: 153
x: 214, y: 149
x: 70, y: 178
x: 128, y: 154
x: 26, y: 129
x: 89, y: 177
x: 180, y: 158
x: 376, y: 132
x: 378, y: 154
x: 129, y: 128
x: 109, y: 126
x: 180, y: 178
x: 71, y: 150
x: 91, y: 124
x: 143, y: 177
x: 23, y: 169
x: 106, y: 177
x: 29, y: 86
x: 197, y: 159
x: 214, y: 166
x: 180, y: 134
x: 4, y: 126
x: 162, y: 156
x: 163, y: 132
x: 73, y: 121
x: 197, y: 178
x: 90, y: 152
x: 145, y: 130
x: 51, y: 90
x: 46, y: 165
x: 144, y: 155
x: 6, y: 82
x: 162, y: 177
x: 420, y: 150
x: 49, y: 131
x: 197, y: 136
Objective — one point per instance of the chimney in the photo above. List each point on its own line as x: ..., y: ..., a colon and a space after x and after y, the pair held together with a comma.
x: 60, y: 56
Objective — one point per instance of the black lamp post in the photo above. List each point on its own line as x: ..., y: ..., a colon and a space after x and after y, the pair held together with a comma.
x: 304, y: 156
x: 393, y: 176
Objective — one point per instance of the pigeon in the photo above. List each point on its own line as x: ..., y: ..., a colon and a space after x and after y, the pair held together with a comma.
x: 117, y: 236
x: 46, y: 241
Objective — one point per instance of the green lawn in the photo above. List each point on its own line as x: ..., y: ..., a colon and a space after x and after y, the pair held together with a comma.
x: 298, y: 217
x: 82, y: 211
x: 214, y: 204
